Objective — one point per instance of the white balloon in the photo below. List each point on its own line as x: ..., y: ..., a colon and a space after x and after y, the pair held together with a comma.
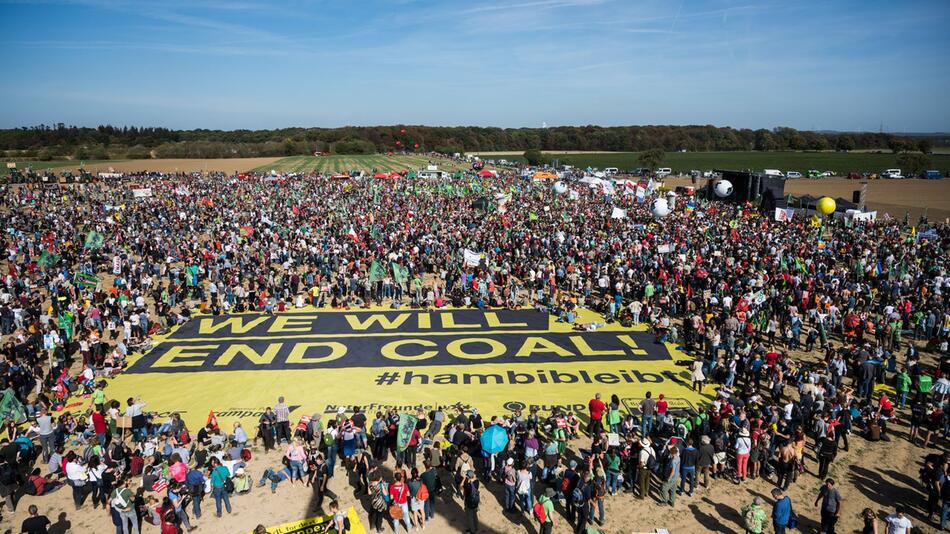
x: 660, y: 207
x: 723, y: 188
x: 560, y: 187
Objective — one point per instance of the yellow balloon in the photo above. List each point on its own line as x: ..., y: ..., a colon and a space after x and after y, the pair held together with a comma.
x: 826, y: 205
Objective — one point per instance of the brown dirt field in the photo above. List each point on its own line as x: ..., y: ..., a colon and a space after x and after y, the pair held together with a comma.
x: 887, y: 196
x: 176, y: 165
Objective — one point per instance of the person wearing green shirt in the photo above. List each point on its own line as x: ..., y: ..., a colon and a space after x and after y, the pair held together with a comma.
x: 753, y: 516
x: 219, y: 478
x: 902, y: 386
x: 99, y: 397
x: 613, y: 471
x: 547, y: 526
x: 123, y: 500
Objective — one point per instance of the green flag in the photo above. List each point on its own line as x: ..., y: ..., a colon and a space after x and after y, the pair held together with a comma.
x: 407, y: 423
x: 400, y: 273
x: 49, y: 259
x: 85, y: 280
x: 11, y: 409
x: 532, y: 216
x: 94, y: 240
x: 376, y: 272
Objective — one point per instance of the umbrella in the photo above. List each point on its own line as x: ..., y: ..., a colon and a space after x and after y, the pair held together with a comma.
x: 494, y: 439
x: 381, y: 176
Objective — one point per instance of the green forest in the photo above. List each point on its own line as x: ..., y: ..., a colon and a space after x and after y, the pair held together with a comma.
x: 59, y: 141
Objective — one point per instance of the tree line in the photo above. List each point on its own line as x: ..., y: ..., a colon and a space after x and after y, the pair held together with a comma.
x: 103, y: 142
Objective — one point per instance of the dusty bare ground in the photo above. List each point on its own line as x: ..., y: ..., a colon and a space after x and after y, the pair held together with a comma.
x: 887, y: 196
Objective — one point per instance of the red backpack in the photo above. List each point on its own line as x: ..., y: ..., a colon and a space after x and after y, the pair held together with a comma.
x: 539, y: 512
x: 246, y: 455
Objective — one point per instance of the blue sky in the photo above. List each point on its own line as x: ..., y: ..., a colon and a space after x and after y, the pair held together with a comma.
x: 269, y: 63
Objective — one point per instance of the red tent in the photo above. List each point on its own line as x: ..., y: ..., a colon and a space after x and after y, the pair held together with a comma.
x: 395, y: 175
x: 486, y: 174
x: 381, y: 176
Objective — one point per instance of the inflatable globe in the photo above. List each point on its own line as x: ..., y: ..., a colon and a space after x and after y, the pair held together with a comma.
x: 660, y: 207
x: 560, y: 187
x: 723, y: 188
x: 826, y: 205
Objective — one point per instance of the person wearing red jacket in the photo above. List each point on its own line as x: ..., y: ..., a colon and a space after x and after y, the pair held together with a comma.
x: 597, y: 408
x: 99, y: 425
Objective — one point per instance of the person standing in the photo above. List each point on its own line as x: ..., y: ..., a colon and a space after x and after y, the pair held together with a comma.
x: 219, y: 476
x: 705, y: 461
x: 898, y: 523
x: 688, y: 461
x: 781, y: 511
x: 282, y: 420
x: 671, y: 475
x: 830, y: 506
x: 469, y: 488
x: 647, y: 460
x: 47, y: 433
x: 36, y: 523
x: 546, y: 526
x: 597, y: 409
x: 123, y: 501
x: 753, y: 516
x: 647, y: 407
x: 827, y: 450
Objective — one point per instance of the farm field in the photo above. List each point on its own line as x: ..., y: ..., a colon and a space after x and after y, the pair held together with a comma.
x: 137, y: 165
x: 366, y: 163
x: 838, y: 162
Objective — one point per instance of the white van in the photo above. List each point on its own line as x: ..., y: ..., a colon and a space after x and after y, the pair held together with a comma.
x: 892, y: 173
x: 793, y: 174
x: 773, y: 172
x: 664, y: 171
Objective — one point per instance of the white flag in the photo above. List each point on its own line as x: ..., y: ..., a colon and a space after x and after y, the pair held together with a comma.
x: 618, y: 214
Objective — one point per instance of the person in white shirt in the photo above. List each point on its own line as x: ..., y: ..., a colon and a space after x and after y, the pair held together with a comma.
x: 897, y: 523
x: 77, y: 477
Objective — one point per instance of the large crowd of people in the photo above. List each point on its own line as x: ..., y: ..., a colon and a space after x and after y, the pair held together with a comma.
x: 792, y: 326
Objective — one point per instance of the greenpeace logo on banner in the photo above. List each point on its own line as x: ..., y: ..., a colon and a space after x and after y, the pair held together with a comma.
x: 390, y: 339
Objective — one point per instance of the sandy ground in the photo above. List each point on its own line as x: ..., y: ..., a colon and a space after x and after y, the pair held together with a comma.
x: 887, y: 196
x: 873, y: 475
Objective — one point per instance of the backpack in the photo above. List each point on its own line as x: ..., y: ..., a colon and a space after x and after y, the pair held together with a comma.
x: 578, y: 494
x: 653, y: 464
x: 327, y: 438
x: 474, y: 498
x: 346, y: 524
x: 749, y: 520
x: 565, y: 484
x: 246, y: 455
x: 539, y: 512
x: 423, y: 493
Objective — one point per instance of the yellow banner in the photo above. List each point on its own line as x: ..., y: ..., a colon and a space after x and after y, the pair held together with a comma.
x: 316, y: 525
x: 322, y: 360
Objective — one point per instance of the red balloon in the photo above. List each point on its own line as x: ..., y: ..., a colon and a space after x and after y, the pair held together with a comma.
x: 402, y: 131
x: 416, y: 145
x: 398, y: 142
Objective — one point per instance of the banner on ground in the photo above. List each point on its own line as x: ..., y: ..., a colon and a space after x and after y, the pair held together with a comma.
x: 410, y: 359
x: 317, y: 525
